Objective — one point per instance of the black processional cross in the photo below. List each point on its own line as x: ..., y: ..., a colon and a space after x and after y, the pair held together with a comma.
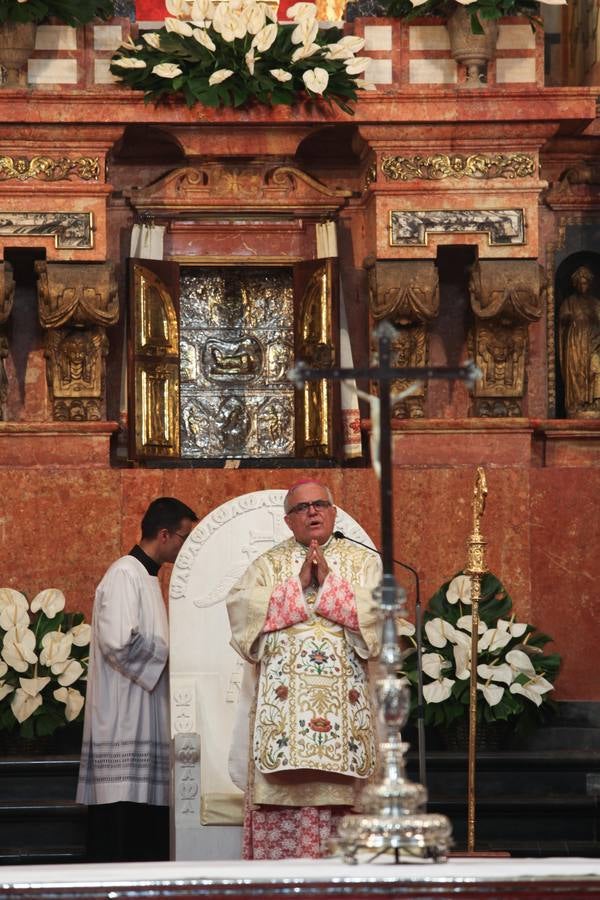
x: 384, y: 373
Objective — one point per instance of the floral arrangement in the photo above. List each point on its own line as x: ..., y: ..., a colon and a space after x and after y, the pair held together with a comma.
x: 515, y: 676
x: 229, y: 53
x: 43, y: 662
x: 71, y: 12
x: 486, y: 9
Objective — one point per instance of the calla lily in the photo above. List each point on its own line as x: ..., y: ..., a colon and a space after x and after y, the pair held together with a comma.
x: 68, y: 672
x: 72, y: 699
x: 177, y: 26
x: 129, y: 62
x: 532, y: 689
x: 280, y: 74
x: 18, y: 648
x: 459, y: 590
x: 492, y: 693
x: 304, y: 52
x: 265, y: 38
x: 81, y: 634
x: 204, y: 38
x: 167, y: 70
x: 56, y: 647
x: 23, y: 705
x: 219, y: 76
x: 152, y: 38
x: 316, y: 80
x: 50, y: 601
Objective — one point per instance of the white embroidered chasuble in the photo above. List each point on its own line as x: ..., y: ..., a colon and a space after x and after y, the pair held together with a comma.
x: 312, y: 732
x: 125, y: 750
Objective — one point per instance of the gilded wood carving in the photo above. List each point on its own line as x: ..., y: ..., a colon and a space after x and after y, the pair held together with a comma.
x: 440, y: 165
x: 44, y: 168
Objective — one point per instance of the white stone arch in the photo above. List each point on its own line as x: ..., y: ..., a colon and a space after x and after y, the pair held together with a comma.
x: 205, y: 673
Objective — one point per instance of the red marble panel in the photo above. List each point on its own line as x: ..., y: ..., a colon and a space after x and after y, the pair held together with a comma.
x: 462, y: 443
x: 565, y: 572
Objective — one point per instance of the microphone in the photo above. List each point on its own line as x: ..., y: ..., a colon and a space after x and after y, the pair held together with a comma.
x: 419, y: 642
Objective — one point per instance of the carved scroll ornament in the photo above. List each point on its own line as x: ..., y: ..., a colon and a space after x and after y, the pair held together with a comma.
x: 407, y: 293
x: 44, y: 168
x: 441, y: 165
x: 77, y: 294
x: 506, y: 296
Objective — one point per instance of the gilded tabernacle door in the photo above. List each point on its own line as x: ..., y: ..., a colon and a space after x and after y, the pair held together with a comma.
x: 210, y: 351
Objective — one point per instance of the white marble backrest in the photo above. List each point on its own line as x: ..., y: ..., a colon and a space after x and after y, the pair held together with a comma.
x: 205, y: 672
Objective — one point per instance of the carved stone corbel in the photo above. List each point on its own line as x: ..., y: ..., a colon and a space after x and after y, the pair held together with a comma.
x: 407, y: 293
x: 75, y: 304
x: 506, y: 296
x: 7, y: 295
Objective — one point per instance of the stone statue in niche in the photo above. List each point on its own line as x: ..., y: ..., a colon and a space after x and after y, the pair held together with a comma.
x: 75, y: 304
x: 407, y: 293
x: 506, y: 296
x: 7, y: 294
x: 579, y: 347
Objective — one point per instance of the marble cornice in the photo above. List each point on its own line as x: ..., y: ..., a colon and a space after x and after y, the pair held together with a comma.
x: 571, y: 107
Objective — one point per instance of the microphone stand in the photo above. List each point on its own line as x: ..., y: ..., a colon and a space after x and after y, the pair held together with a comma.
x: 419, y: 641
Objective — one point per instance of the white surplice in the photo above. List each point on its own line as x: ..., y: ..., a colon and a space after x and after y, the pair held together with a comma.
x: 125, y: 751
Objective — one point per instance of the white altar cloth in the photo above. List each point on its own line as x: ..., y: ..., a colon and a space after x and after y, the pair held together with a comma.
x: 299, y: 872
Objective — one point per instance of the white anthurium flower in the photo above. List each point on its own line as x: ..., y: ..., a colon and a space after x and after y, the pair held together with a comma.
x: 256, y: 18
x: 439, y: 690
x: 129, y: 62
x: 463, y: 2
x: 222, y: 12
x: 68, y: 671
x: 272, y: 11
x: 72, y: 699
x: 418, y: 2
x: 494, y: 639
x: 166, y: 70
x: 439, y: 632
x: 231, y: 27
x: 56, y: 647
x: 177, y: 26
x: 434, y: 664
x: 202, y: 12
x: 465, y: 622
x: 152, y: 38
x: 128, y: 44
x: 265, y: 38
x: 81, y: 634
x: 10, y: 597
x: 462, y: 660
x: 34, y: 686
x: 23, y: 705
x: 249, y: 57
x: 404, y: 627
x: 280, y: 74
x: 219, y: 76
x: 357, y: 65
x: 316, y: 80
x: 502, y: 672
x: 300, y: 11
x: 204, y: 38
x: 305, y: 31
x: 5, y: 690
x: 177, y: 7
x: 459, y: 590
x: 3, y: 668
x: 50, y: 601
x: 532, y: 689
x: 13, y: 615
x: 492, y: 692
x: 365, y: 85
x: 304, y: 52
x: 515, y: 629
x: 554, y: 2
x: 18, y: 648
x: 520, y: 663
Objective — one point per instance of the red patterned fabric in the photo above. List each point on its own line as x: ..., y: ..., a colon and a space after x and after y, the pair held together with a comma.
x: 286, y: 832
x: 286, y: 606
x: 337, y: 603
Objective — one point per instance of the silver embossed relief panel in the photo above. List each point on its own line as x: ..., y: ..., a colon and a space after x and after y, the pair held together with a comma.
x: 236, y: 344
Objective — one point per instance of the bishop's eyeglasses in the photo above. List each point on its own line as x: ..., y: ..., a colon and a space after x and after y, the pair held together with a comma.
x: 304, y: 507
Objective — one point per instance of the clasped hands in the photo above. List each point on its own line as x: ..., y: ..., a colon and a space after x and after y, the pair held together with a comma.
x: 314, y: 568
